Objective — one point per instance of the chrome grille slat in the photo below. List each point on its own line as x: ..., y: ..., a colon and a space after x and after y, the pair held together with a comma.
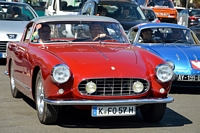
x: 3, y: 46
x: 113, y: 86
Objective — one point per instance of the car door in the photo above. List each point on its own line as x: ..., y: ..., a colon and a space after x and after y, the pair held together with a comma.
x: 26, y: 60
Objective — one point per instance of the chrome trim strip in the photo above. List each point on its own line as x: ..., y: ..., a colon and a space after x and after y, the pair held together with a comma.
x: 195, y: 57
x: 178, y: 58
x: 110, y: 102
x: 23, y: 85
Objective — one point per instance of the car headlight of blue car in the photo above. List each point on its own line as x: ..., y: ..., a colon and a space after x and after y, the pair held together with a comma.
x: 164, y: 72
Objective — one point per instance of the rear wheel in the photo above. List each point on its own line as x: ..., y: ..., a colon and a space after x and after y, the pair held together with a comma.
x: 47, y: 114
x: 14, y: 91
x: 153, y: 112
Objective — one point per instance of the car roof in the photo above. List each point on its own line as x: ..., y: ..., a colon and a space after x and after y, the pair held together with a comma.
x: 74, y: 18
x: 114, y: 1
x: 152, y: 25
x: 16, y: 3
x: 146, y: 8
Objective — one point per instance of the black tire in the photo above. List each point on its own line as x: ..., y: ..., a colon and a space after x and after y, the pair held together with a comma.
x: 14, y: 91
x: 47, y: 114
x: 153, y: 112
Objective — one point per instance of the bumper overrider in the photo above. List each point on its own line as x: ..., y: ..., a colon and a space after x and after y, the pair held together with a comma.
x: 110, y: 102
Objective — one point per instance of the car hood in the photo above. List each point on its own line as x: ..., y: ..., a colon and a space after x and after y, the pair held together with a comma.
x: 180, y: 54
x: 15, y: 28
x: 94, y: 60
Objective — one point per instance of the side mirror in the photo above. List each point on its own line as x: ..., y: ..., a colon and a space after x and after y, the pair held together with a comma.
x: 151, y: 18
x: 85, y: 13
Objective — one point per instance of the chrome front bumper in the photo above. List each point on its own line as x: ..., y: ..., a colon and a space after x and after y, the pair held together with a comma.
x: 110, y: 102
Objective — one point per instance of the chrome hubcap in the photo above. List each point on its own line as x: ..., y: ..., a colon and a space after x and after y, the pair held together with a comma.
x: 12, y: 80
x: 40, y: 97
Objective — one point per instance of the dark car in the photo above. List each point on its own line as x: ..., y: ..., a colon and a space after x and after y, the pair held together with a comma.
x: 115, y: 8
x: 196, y: 30
x: 150, y: 14
x: 188, y: 17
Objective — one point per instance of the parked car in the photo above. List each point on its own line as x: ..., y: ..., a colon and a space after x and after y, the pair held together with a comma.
x: 188, y: 17
x: 115, y: 10
x: 108, y: 75
x: 164, y: 9
x: 150, y: 14
x: 37, y: 5
x: 63, y: 7
x: 179, y: 9
x: 174, y: 43
x: 12, y: 27
x: 196, y: 30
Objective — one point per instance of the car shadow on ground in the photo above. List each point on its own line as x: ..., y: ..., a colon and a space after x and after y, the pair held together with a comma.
x: 185, y: 90
x: 83, y: 119
x: 75, y: 118
x: 2, y: 62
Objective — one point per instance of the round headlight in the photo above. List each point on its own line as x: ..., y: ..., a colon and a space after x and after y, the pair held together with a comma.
x: 138, y: 87
x: 60, y: 73
x: 164, y: 72
x: 90, y: 87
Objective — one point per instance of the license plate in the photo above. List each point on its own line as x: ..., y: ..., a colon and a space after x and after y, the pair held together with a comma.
x: 188, y: 78
x: 100, y: 111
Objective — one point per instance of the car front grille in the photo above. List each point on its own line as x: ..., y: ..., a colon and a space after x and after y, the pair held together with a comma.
x: 3, y: 46
x: 113, y: 86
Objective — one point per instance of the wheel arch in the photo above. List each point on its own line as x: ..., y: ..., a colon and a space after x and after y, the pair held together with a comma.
x: 34, y: 76
x: 9, y: 65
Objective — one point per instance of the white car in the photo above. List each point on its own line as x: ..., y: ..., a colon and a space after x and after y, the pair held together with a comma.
x: 11, y: 27
x: 62, y: 7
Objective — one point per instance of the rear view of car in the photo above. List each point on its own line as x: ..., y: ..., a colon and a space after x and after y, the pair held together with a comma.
x: 188, y: 17
x: 164, y: 9
x: 12, y: 25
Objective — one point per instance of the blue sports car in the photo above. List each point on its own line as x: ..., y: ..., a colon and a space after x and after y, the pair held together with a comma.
x: 176, y: 44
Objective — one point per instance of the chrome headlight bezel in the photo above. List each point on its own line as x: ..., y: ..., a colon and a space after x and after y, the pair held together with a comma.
x: 60, y: 73
x: 138, y: 87
x: 164, y: 72
x: 171, y: 64
x: 90, y: 87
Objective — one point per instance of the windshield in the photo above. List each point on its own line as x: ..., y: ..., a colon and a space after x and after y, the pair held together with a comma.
x: 128, y: 12
x: 167, y: 3
x: 16, y: 12
x: 166, y: 35
x: 77, y: 31
x: 70, y: 6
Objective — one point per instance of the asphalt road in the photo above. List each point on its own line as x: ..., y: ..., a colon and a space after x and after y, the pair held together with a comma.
x: 19, y: 116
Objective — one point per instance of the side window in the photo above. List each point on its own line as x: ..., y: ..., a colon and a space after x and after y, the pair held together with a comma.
x: 28, y: 32
x: 49, y: 3
x: 55, y: 5
x: 88, y: 8
x: 132, y: 35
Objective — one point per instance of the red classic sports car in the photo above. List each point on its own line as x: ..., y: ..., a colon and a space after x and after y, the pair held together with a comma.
x: 86, y: 62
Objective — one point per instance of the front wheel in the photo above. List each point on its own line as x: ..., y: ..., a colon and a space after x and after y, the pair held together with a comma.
x: 153, y: 112
x: 47, y: 114
x: 14, y: 91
